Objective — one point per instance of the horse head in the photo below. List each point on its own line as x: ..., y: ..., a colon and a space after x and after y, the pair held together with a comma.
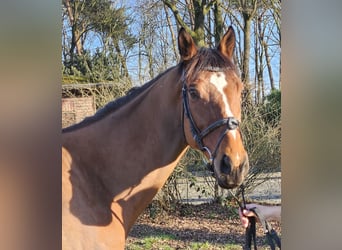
x: 212, y: 92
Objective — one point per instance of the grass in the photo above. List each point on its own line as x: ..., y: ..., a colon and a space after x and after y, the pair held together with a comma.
x: 210, y: 246
x: 170, y: 242
x: 153, y: 243
x: 159, y: 241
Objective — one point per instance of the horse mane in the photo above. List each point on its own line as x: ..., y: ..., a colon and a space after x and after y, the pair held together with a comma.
x: 114, y: 105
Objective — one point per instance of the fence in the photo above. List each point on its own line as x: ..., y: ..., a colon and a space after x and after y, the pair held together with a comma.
x: 268, y: 191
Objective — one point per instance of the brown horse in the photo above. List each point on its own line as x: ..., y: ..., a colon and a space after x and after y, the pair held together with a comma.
x: 116, y: 161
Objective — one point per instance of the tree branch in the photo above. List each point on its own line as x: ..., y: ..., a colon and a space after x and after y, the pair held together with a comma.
x: 177, y: 16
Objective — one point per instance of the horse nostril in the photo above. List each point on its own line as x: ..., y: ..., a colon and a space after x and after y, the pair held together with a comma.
x: 225, y: 167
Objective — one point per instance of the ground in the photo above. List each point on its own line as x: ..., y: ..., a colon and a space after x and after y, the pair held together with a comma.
x: 204, y: 226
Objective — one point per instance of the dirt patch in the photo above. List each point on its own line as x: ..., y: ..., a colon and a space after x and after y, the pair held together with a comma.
x: 213, y: 223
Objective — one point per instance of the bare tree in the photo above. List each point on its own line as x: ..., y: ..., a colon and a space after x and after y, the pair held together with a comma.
x: 258, y: 25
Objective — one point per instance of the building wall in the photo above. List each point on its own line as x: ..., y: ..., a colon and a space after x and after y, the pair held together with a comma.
x: 75, y: 110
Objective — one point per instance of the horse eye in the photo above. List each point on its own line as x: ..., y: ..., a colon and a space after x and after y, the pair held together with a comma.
x: 194, y: 93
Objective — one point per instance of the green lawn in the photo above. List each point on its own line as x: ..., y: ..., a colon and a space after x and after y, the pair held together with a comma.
x: 170, y: 242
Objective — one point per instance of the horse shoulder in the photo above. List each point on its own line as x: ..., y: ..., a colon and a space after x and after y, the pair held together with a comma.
x: 75, y: 233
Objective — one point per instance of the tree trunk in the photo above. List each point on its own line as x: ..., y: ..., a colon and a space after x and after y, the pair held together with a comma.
x: 269, y: 67
x: 264, y: 45
x: 173, y: 36
x: 257, y: 66
x: 200, y: 11
x: 75, y: 31
x: 139, y: 63
x: 247, y: 48
x: 249, y: 9
x: 190, y: 8
x: 124, y: 70
x: 261, y: 77
x: 246, y: 56
x: 218, y: 22
x: 199, y: 22
x: 279, y: 73
x: 260, y: 38
x: 150, y: 61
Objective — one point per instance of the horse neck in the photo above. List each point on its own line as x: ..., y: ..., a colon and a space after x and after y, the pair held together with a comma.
x: 133, y: 150
x: 151, y: 129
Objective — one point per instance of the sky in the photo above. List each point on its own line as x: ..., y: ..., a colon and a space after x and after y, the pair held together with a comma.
x: 94, y: 42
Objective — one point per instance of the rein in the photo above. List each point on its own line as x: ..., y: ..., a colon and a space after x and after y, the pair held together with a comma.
x: 250, y: 234
x: 231, y: 123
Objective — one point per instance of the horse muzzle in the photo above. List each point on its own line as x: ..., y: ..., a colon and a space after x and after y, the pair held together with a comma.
x: 229, y: 175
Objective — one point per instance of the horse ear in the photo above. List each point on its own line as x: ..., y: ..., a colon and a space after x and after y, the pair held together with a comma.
x: 186, y: 45
x: 227, y: 43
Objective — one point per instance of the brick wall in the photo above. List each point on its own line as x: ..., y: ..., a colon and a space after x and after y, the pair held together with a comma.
x: 75, y: 110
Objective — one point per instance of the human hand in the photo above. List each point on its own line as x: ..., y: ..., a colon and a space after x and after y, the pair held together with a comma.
x: 245, y: 213
x: 265, y: 212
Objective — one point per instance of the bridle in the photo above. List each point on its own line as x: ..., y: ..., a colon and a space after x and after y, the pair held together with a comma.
x: 231, y: 123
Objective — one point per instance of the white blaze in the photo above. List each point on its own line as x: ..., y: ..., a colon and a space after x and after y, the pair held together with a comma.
x: 219, y: 81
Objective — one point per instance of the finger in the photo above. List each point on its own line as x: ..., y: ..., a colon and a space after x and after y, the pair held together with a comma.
x: 248, y: 213
x: 244, y: 222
